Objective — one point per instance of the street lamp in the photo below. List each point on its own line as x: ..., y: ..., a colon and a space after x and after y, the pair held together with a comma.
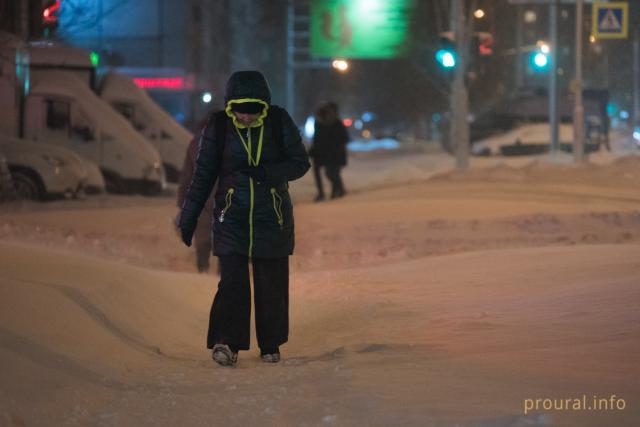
x: 479, y: 13
x: 340, y: 65
x: 544, y: 47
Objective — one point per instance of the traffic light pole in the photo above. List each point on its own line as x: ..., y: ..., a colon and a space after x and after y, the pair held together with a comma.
x: 519, y: 72
x: 553, y: 75
x: 578, y: 112
x: 636, y: 79
x: 459, y: 135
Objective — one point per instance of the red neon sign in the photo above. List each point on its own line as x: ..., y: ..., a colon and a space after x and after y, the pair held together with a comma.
x: 171, y: 83
x: 48, y: 13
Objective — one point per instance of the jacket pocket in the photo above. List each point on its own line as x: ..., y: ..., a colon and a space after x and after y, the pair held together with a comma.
x: 277, y: 206
x: 228, y: 199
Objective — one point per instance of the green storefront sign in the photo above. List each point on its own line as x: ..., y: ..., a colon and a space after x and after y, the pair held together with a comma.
x: 360, y: 28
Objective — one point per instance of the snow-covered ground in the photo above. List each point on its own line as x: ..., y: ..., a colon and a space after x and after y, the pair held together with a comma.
x: 426, y: 297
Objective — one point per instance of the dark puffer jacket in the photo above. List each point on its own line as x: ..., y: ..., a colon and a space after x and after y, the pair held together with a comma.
x: 251, y: 217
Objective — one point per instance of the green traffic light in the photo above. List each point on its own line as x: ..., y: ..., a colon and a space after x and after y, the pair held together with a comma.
x: 539, y: 60
x: 95, y: 59
x: 446, y: 58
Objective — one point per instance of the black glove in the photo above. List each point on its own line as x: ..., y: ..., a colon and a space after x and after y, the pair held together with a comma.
x: 187, y: 236
x: 186, y: 229
x: 256, y: 172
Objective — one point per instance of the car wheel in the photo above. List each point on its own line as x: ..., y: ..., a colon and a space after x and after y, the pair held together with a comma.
x: 27, y: 187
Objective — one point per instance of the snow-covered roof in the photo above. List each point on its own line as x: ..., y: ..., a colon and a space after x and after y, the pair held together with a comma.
x: 56, y: 54
x: 121, y: 88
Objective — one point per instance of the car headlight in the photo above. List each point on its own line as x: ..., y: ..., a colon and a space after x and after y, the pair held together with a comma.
x: 153, y: 170
x: 54, y: 161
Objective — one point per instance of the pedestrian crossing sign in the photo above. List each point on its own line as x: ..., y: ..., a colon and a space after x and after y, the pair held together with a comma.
x: 610, y: 20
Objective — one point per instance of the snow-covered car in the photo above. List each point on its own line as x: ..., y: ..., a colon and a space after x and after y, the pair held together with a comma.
x: 7, y: 192
x: 527, y: 139
x: 155, y: 124
x: 40, y: 171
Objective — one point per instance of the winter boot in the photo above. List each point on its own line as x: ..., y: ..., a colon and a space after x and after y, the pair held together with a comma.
x: 223, y: 355
x: 270, y: 355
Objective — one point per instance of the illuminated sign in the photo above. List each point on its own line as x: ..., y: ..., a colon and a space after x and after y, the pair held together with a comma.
x: 48, y: 14
x: 169, y: 83
x: 360, y: 28
x: 610, y: 20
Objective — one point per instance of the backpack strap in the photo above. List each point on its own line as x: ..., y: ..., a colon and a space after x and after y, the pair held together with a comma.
x: 220, y: 126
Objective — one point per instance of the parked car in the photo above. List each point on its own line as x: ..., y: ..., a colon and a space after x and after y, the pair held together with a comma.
x: 7, y: 191
x: 41, y: 171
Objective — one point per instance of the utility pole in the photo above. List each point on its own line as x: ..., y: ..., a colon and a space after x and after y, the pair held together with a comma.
x: 459, y: 96
x: 23, y: 19
x: 578, y: 112
x: 553, y: 75
x: 518, y: 56
x: 290, y: 58
x: 636, y: 79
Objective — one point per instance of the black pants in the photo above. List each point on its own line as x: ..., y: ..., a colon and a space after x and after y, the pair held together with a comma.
x: 230, y: 317
x: 333, y: 175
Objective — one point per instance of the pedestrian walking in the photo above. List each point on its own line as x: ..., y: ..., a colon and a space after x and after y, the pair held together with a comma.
x: 329, y: 150
x: 252, y: 150
x: 202, y: 234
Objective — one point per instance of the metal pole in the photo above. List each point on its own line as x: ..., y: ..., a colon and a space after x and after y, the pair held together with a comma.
x: 553, y: 75
x: 519, y: 75
x: 23, y: 20
x: 290, y: 58
x: 578, y: 112
x: 636, y: 79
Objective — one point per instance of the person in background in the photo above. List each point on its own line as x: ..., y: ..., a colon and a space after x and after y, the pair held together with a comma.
x: 202, y: 233
x: 251, y: 150
x: 329, y: 150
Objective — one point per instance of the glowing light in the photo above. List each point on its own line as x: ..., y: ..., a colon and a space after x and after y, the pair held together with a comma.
x: 540, y: 60
x: 479, y: 13
x: 48, y: 13
x: 340, y: 65
x: 624, y: 115
x: 94, y: 58
x: 358, y: 124
x: 446, y: 58
x: 207, y: 97
x: 310, y: 127
x: 347, y: 122
x: 544, y: 48
x: 171, y: 83
x: 530, y: 16
x: 592, y: 39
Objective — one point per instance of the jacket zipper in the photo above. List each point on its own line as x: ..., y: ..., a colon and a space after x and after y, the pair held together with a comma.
x: 277, y: 206
x: 227, y: 204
